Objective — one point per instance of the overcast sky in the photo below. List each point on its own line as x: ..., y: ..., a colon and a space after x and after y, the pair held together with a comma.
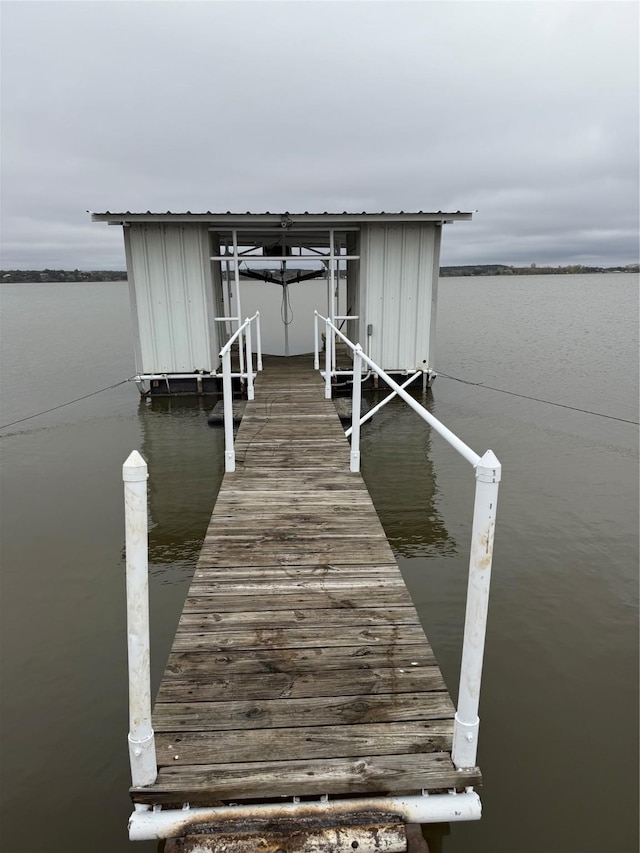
x: 526, y: 112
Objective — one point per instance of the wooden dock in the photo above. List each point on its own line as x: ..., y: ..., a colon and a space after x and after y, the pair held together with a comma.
x: 299, y: 667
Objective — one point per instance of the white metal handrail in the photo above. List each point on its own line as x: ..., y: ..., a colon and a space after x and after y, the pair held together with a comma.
x: 243, y: 331
x: 488, y: 472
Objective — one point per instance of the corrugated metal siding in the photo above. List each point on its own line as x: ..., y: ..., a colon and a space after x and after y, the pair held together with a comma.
x: 173, y: 297
x: 397, y: 269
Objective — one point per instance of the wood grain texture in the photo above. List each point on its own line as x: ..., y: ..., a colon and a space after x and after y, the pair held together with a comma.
x: 238, y: 664
x: 387, y: 774
x: 270, y: 620
x: 283, y: 638
x: 311, y: 711
x: 256, y: 573
x: 200, y: 596
x: 297, y: 685
x: 176, y: 748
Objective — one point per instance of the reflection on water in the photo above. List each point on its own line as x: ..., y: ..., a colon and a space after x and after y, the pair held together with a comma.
x: 186, y: 465
x: 400, y: 476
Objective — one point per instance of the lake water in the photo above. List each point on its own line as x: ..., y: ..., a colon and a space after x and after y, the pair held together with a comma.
x: 558, y: 735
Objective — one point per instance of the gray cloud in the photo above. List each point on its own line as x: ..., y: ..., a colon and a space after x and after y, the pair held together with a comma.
x: 526, y: 112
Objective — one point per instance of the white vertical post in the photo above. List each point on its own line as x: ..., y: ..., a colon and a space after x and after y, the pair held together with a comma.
x: 247, y: 339
x: 236, y: 272
x: 142, y: 748
x: 227, y: 393
x: 258, y: 340
x: 286, y: 321
x: 327, y: 363
x: 328, y: 271
x: 228, y: 328
x: 332, y: 280
x: 316, y: 343
x: 355, y: 409
x: 465, y: 731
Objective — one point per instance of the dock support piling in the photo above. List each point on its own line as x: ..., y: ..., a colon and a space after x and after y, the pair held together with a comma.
x: 142, y: 750
x: 467, y: 722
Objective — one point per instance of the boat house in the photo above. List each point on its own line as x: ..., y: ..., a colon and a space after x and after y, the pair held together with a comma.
x: 192, y: 280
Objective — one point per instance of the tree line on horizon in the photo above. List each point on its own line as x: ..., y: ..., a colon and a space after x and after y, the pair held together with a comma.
x: 532, y: 269
x: 48, y: 275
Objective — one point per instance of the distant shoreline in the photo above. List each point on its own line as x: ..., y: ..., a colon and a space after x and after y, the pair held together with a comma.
x: 47, y: 275
x: 534, y: 269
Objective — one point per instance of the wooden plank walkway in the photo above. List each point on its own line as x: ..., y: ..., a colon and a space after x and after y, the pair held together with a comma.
x: 299, y: 666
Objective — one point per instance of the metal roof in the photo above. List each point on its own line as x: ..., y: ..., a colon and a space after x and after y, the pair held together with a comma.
x: 285, y: 219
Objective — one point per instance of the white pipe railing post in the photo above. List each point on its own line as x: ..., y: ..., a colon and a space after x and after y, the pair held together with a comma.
x: 142, y: 748
x: 465, y: 731
x: 227, y: 393
x: 258, y: 340
x: 247, y: 340
x: 355, y: 409
x: 316, y: 343
x: 327, y: 363
x: 333, y: 312
x: 236, y: 273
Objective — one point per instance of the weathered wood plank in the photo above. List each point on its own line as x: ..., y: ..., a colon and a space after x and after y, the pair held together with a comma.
x: 303, y: 463
x: 282, y: 638
x: 313, y: 711
x: 258, y: 573
x: 242, y: 595
x: 353, y: 505
x: 233, y: 663
x: 291, y: 552
x: 363, y: 682
x: 393, y: 774
x: 282, y: 586
x: 287, y: 516
x: 304, y: 533
x: 200, y: 595
x: 176, y: 748
x: 336, y: 617
x: 352, y: 495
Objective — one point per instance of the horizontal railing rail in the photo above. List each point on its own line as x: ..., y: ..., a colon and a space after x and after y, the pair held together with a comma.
x: 488, y: 472
x: 242, y: 333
